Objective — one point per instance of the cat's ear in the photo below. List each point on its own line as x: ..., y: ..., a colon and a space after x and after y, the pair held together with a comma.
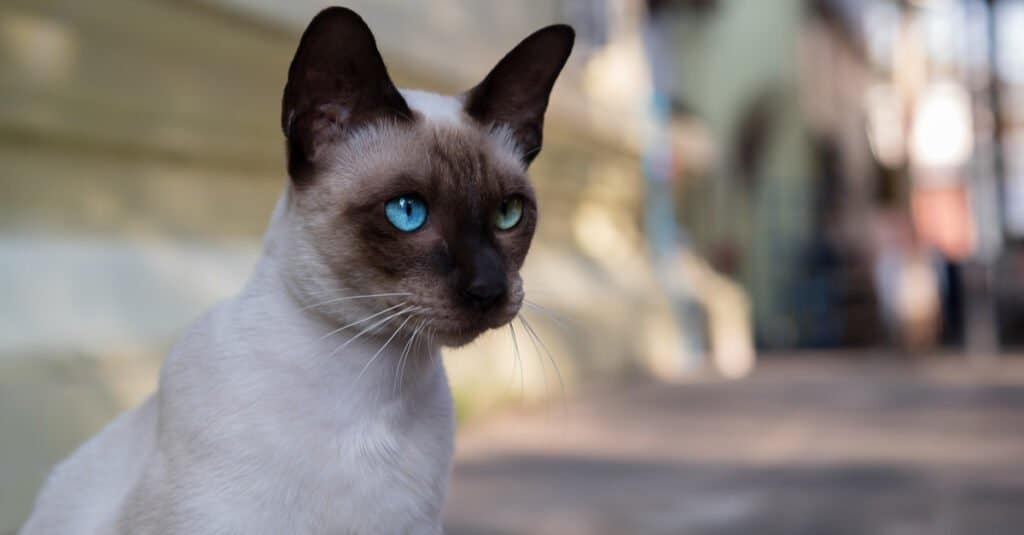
x: 337, y: 82
x: 515, y: 93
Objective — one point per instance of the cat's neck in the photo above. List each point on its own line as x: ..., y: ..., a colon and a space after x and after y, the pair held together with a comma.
x: 278, y: 224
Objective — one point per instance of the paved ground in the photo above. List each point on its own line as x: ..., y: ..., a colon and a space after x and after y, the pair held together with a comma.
x: 807, y: 446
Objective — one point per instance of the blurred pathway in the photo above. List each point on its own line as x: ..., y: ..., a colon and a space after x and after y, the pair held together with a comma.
x: 807, y: 446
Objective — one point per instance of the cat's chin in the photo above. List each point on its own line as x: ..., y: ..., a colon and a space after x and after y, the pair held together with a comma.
x: 459, y: 336
x: 456, y: 339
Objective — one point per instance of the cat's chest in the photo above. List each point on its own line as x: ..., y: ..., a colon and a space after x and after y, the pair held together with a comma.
x: 378, y: 477
x: 271, y: 448
x: 383, y: 472
x: 374, y: 476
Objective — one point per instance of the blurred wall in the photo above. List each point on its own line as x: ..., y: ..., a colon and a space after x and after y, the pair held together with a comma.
x: 140, y: 158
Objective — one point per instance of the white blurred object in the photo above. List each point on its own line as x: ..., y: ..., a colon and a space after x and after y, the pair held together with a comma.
x: 942, y: 134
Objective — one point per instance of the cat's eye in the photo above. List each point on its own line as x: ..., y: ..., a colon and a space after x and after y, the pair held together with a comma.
x: 407, y: 212
x: 509, y: 213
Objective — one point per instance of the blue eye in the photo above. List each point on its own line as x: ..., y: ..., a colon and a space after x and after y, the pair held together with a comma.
x: 509, y: 213
x: 407, y: 213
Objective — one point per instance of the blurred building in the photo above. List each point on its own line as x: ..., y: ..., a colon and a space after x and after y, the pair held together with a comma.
x: 864, y: 181
x: 910, y: 108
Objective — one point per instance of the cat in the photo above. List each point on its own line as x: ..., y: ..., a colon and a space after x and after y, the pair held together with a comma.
x: 316, y: 401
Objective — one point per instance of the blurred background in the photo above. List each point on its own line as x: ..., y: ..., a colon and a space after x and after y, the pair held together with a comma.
x: 778, y: 276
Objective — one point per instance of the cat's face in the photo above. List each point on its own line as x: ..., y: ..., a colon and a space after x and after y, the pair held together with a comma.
x: 419, y: 199
x: 436, y: 209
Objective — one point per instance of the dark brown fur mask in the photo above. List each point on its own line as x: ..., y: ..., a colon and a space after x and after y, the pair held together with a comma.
x: 406, y: 193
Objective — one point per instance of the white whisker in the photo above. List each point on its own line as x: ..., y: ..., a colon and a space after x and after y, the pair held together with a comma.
x: 371, y: 327
x: 540, y: 360
x: 430, y: 340
x: 400, y: 366
x: 562, y: 322
x: 519, y: 360
x: 352, y: 297
x: 423, y: 342
x: 558, y: 372
x: 354, y: 323
x: 381, y: 350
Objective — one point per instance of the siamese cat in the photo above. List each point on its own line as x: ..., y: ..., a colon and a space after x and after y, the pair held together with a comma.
x: 315, y: 401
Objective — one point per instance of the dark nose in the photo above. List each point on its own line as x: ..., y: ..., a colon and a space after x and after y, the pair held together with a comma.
x: 484, y: 292
x: 484, y: 283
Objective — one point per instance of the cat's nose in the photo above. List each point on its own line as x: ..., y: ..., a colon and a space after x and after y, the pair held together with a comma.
x: 484, y: 292
x: 483, y: 283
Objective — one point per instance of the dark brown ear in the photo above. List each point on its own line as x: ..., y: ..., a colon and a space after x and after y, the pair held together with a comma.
x: 337, y: 82
x: 516, y: 91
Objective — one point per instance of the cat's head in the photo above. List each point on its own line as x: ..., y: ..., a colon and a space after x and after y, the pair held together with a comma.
x: 420, y: 197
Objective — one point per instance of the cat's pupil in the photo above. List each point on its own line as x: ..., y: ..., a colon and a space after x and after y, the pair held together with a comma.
x: 408, y: 207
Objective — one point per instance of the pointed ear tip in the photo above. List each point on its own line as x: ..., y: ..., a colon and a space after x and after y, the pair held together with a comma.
x: 562, y: 31
x: 337, y: 15
x: 557, y: 37
x: 336, y: 11
x: 565, y: 29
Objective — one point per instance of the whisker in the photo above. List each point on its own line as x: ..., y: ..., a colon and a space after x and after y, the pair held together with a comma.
x: 371, y: 327
x: 406, y: 348
x: 352, y: 297
x: 354, y: 323
x: 425, y: 342
x: 540, y: 360
x: 421, y: 344
x: 400, y: 366
x: 381, y: 350
x: 561, y: 321
x: 515, y: 347
x: 430, y: 339
x: 558, y: 372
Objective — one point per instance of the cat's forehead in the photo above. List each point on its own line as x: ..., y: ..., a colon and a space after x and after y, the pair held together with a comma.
x: 438, y: 109
x: 442, y: 143
x: 452, y: 134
